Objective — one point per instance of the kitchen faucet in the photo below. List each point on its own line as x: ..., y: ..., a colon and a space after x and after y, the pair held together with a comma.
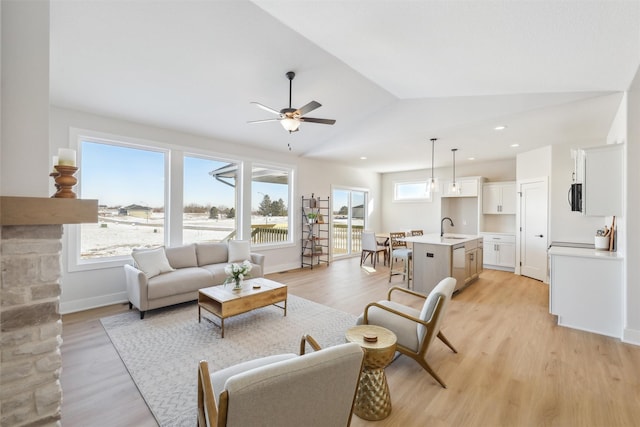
x: 442, y: 225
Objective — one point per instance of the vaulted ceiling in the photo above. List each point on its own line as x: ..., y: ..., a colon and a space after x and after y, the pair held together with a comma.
x: 392, y: 73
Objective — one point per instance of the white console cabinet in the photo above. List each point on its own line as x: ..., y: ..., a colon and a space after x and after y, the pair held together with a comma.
x: 585, y: 290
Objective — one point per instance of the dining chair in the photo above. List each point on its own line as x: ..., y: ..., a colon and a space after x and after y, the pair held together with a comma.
x: 398, y: 250
x: 371, y: 247
x: 417, y: 232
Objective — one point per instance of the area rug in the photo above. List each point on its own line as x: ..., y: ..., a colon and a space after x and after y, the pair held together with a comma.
x: 162, y: 351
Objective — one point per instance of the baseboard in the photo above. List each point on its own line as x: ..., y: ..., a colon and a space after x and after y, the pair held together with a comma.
x: 499, y: 267
x: 631, y: 336
x: 95, y: 302
x: 282, y: 268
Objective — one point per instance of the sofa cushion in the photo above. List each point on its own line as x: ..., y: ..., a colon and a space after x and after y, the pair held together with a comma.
x: 151, y: 261
x: 239, y: 250
x: 217, y: 272
x: 180, y: 281
x: 182, y: 256
x: 211, y: 253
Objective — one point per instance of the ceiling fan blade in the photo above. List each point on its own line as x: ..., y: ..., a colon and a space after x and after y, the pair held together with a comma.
x: 307, y: 108
x: 321, y: 121
x: 264, y: 107
x: 264, y: 121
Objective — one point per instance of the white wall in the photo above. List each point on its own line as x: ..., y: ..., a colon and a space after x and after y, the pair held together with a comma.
x: 632, y: 266
x: 427, y: 215
x: 86, y: 289
x: 25, y: 163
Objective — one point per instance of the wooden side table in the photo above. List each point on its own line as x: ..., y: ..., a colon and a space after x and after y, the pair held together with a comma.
x: 373, y: 401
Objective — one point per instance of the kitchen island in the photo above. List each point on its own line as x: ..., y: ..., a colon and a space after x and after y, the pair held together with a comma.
x: 452, y: 255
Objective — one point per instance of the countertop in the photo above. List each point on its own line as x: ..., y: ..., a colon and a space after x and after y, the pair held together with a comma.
x: 583, y: 252
x: 447, y: 240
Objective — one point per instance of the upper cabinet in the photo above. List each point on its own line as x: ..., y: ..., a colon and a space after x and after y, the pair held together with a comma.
x: 468, y: 187
x: 603, y: 180
x: 499, y: 198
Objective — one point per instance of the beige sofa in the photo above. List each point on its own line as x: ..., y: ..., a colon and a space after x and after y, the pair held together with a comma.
x: 167, y: 276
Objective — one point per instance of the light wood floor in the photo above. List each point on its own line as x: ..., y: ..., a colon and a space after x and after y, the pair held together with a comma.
x: 515, y: 366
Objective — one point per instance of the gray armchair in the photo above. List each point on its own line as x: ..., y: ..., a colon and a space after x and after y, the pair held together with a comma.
x: 314, y: 389
x: 415, y: 329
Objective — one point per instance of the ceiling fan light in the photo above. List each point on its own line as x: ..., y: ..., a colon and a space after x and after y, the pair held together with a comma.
x: 290, y: 124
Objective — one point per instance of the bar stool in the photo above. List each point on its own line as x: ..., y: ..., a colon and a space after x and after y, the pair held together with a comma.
x: 398, y: 250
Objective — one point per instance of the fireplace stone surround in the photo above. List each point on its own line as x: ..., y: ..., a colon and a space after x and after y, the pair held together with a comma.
x: 30, y: 321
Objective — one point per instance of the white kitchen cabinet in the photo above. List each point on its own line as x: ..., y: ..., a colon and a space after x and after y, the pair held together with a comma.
x: 469, y: 187
x: 603, y: 180
x: 499, y: 251
x: 586, y: 290
x: 499, y: 198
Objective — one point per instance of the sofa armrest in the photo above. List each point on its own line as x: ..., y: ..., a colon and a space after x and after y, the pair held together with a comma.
x: 258, y: 259
x: 137, y: 284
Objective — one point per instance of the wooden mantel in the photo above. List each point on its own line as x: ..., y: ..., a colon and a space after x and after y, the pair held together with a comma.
x: 41, y: 211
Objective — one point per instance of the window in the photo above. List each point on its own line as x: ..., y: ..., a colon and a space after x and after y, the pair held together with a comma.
x: 411, y: 191
x: 129, y: 184
x: 209, y: 200
x: 152, y: 194
x: 270, y: 201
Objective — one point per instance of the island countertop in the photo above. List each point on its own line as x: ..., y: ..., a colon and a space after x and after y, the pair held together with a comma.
x: 447, y: 240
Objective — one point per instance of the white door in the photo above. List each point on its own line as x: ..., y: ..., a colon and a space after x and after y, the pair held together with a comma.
x: 533, y: 229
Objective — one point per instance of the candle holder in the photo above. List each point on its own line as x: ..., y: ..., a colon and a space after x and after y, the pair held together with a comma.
x: 54, y: 175
x: 65, y: 181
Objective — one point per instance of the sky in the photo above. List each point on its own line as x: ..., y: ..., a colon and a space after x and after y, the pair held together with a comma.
x: 121, y: 176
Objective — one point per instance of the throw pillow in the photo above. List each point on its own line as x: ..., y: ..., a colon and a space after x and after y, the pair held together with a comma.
x: 239, y: 250
x: 152, y: 261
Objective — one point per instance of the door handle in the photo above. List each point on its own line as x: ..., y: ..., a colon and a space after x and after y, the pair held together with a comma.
x: 538, y: 235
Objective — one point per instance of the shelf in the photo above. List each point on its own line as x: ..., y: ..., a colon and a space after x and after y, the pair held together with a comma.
x: 315, y: 245
x: 45, y: 211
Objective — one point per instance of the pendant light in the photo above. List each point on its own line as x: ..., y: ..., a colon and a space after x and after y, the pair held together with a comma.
x: 433, y: 184
x: 454, y: 188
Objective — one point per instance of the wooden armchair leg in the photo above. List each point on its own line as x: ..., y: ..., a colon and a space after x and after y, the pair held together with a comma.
x: 427, y: 368
x: 446, y: 341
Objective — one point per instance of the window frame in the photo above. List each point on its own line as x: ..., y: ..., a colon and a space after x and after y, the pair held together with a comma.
x: 74, y: 262
x: 291, y: 171
x: 428, y: 197
x: 173, y: 171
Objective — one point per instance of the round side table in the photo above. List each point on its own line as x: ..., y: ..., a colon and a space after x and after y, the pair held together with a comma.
x: 373, y: 401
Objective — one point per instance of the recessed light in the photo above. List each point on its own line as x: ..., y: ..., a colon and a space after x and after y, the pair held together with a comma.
x: 363, y: 158
x: 471, y: 158
x: 501, y: 127
x: 515, y: 145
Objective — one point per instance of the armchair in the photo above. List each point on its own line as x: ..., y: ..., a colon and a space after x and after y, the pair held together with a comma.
x: 315, y: 389
x: 415, y: 329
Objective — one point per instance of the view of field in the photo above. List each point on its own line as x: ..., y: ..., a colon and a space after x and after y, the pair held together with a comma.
x: 116, y: 235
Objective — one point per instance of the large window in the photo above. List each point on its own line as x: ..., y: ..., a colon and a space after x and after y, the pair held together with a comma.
x: 129, y: 184
x: 270, y: 201
x: 150, y: 194
x: 209, y: 200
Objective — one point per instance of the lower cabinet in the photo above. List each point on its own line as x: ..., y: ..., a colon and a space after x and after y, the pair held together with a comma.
x: 499, y: 251
x: 585, y: 290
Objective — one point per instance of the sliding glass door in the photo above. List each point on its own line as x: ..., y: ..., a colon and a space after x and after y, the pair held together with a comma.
x: 348, y: 208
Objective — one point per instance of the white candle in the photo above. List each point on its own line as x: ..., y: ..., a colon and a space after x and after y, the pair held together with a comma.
x: 55, y: 163
x: 66, y: 157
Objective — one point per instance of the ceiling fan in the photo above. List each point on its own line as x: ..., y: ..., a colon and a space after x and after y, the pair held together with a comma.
x: 290, y: 118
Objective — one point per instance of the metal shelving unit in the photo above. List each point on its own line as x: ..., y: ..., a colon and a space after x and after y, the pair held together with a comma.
x: 315, y: 231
